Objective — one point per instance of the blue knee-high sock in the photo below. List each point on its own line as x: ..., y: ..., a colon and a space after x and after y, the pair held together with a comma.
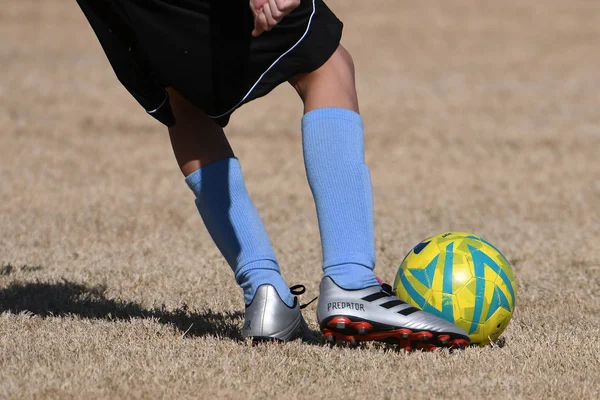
x: 333, y: 145
x: 236, y: 228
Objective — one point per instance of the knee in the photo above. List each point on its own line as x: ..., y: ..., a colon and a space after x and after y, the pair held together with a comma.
x: 339, y: 69
x: 343, y: 61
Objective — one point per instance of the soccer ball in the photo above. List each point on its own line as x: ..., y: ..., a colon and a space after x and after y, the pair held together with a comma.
x: 463, y: 279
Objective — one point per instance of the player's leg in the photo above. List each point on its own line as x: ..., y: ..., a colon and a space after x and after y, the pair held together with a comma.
x: 214, y: 175
x: 145, y: 59
x: 196, y: 139
x: 330, y: 86
x: 352, y: 305
x: 333, y: 145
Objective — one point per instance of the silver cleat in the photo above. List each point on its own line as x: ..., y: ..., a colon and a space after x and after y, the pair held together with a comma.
x: 269, y: 318
x: 374, y: 313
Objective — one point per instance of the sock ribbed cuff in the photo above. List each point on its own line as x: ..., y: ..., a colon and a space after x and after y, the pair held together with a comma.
x: 320, y: 114
x: 194, y: 180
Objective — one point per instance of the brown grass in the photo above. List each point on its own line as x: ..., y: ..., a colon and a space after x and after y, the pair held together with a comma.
x: 482, y: 116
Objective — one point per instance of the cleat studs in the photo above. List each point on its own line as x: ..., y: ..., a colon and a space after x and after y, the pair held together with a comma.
x: 339, y: 323
x: 444, y: 339
x: 404, y: 334
x: 425, y: 347
x: 363, y: 328
x: 423, y: 336
x: 329, y: 336
x: 459, y: 344
x: 341, y: 329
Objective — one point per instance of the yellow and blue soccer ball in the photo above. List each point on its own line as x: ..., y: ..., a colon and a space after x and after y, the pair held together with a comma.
x: 463, y: 279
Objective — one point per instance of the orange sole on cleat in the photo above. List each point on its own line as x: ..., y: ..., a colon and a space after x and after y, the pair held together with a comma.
x: 426, y: 346
x: 444, y: 339
x: 459, y: 344
x: 342, y: 329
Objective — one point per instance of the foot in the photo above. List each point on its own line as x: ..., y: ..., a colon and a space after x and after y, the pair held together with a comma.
x: 375, y: 314
x: 269, y: 318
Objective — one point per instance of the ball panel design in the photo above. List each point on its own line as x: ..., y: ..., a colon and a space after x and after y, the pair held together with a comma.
x: 496, y: 324
x: 462, y: 278
x: 466, y: 298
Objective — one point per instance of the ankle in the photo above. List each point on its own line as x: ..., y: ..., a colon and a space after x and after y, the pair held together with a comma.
x: 351, y: 276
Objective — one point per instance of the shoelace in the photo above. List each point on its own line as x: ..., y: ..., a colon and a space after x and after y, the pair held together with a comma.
x: 387, y: 289
x: 297, y: 290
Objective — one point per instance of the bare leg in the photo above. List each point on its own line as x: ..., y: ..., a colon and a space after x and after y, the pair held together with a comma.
x: 332, y: 85
x: 197, y: 140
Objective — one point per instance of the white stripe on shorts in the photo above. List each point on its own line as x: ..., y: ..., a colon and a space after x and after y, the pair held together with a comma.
x: 271, y: 66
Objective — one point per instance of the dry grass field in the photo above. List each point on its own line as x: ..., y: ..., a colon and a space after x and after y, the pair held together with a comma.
x: 481, y: 116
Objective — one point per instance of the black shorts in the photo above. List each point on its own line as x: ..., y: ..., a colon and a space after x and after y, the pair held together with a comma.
x: 204, y: 49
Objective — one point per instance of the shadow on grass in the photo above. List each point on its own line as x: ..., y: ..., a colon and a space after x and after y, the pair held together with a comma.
x: 74, y: 299
x: 8, y: 269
